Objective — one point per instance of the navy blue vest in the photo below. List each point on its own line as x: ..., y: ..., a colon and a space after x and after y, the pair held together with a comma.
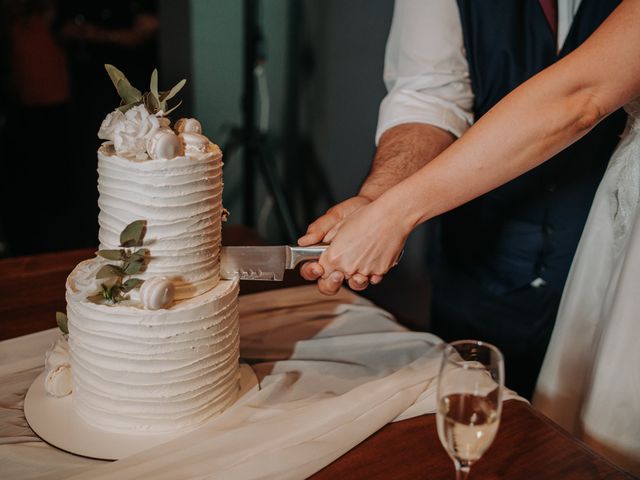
x: 530, y: 227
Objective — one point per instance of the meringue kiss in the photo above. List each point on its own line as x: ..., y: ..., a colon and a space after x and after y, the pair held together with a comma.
x: 164, y: 144
x: 194, y: 142
x: 157, y: 293
x: 190, y: 125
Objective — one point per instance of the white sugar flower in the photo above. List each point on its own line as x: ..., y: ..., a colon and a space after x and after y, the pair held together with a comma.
x: 138, y: 125
x: 129, y: 131
x: 58, y: 381
x: 57, y: 354
x: 112, y: 123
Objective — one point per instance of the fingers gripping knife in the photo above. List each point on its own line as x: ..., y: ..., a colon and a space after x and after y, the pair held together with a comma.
x: 267, y: 263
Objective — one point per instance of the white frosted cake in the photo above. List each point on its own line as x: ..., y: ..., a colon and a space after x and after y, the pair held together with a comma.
x: 153, y: 332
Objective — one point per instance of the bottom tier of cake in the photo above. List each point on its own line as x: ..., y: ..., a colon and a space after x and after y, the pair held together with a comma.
x: 152, y: 370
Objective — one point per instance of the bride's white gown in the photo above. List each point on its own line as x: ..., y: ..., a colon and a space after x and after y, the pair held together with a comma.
x: 590, y: 379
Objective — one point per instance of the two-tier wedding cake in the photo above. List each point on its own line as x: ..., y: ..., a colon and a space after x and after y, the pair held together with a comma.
x: 153, y: 334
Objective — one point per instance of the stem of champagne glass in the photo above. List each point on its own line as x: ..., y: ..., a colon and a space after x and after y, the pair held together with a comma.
x: 462, y: 471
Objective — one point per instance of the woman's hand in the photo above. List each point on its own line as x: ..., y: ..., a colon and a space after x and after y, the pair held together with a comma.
x: 323, y: 230
x: 366, y: 244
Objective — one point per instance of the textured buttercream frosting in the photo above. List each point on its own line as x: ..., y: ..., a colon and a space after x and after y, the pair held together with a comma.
x: 163, y: 356
x: 181, y: 201
x: 152, y: 370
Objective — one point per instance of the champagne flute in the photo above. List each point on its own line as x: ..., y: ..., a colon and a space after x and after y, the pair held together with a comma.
x: 469, y: 401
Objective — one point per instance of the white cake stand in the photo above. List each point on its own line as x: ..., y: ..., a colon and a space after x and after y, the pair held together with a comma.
x: 55, y: 421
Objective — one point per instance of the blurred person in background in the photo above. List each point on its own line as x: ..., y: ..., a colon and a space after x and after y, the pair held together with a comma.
x: 37, y: 148
x: 57, y: 93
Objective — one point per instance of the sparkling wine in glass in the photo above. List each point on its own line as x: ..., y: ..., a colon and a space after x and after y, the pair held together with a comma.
x: 469, y: 401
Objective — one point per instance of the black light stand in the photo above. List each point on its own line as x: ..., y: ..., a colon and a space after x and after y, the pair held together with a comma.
x: 308, y: 188
x: 257, y: 154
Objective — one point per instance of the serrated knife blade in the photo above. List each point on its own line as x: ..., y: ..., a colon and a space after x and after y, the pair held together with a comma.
x: 265, y: 263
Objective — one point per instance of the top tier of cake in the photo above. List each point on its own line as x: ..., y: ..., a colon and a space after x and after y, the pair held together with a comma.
x: 181, y: 200
x: 167, y: 178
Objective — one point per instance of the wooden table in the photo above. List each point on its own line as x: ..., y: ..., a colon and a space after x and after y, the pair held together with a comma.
x: 528, y: 445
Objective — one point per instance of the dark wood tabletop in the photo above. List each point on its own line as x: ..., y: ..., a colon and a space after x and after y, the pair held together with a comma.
x: 528, y: 445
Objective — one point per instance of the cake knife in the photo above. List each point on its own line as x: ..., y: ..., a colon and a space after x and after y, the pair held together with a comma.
x: 265, y: 263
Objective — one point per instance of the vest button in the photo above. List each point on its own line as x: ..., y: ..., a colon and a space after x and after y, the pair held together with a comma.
x: 551, y: 187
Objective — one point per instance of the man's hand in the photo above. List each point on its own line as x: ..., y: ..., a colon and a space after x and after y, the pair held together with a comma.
x: 319, y: 230
x: 323, y: 230
x: 402, y: 151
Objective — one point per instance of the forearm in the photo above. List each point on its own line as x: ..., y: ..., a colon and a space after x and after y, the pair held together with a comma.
x: 533, y: 123
x: 402, y: 151
x: 521, y: 132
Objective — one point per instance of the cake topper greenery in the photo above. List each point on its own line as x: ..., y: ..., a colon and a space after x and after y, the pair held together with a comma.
x: 132, y: 260
x: 62, y: 321
x: 154, y: 100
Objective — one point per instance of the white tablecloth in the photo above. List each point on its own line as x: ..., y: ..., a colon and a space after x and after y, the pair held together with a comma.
x: 332, y: 371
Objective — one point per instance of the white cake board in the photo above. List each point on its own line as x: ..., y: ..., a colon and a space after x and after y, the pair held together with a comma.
x: 55, y: 421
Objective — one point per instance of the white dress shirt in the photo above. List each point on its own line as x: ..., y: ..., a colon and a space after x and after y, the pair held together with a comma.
x: 425, y: 69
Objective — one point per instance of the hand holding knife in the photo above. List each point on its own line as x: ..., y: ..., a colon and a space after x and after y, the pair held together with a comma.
x: 267, y: 263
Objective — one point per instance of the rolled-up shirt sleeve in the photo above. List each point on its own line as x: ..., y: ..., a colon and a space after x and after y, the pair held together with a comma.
x: 426, y: 71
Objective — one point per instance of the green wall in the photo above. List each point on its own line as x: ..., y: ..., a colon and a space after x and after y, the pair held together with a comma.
x: 216, y: 37
x: 217, y: 76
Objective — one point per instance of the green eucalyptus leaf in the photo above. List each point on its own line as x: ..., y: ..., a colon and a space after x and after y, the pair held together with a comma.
x: 133, y: 267
x: 153, y: 86
x: 133, y: 234
x: 114, y: 74
x: 115, y: 293
x: 138, y: 256
x: 151, y: 102
x: 106, y: 292
x: 128, y: 92
x: 172, y: 109
x: 62, y: 321
x: 112, y: 254
x: 110, y: 293
x: 131, y: 284
x: 109, y: 271
x: 167, y: 95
